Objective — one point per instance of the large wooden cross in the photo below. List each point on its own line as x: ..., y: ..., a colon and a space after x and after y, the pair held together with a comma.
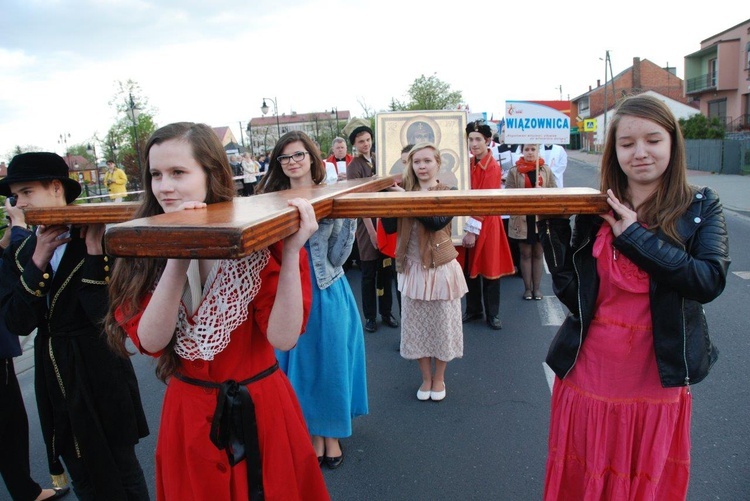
x: 235, y: 229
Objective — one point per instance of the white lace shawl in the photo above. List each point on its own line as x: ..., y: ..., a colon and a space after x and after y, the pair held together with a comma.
x: 230, y: 287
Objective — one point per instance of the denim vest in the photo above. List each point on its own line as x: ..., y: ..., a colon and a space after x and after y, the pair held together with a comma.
x: 330, y: 246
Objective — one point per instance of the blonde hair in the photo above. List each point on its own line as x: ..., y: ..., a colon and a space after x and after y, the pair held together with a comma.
x: 409, y: 178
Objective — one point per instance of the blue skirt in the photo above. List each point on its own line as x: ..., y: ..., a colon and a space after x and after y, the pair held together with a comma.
x: 327, y: 367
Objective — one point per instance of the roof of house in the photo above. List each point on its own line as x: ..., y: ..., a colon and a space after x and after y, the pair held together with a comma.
x: 624, y: 72
x: 295, y: 118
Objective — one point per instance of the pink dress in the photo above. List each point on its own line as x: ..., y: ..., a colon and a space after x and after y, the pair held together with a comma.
x: 615, y: 432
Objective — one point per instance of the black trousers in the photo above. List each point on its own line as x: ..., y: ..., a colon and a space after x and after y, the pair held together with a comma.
x: 387, y: 280
x: 248, y: 189
x: 14, y: 437
x: 372, y: 301
x: 483, y: 290
x: 129, y: 469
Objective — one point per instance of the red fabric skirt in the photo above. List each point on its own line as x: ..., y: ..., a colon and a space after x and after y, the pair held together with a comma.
x: 490, y: 257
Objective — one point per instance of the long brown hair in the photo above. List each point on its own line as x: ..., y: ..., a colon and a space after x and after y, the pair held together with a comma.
x: 663, y: 208
x: 274, y: 179
x: 409, y: 177
x: 133, y: 278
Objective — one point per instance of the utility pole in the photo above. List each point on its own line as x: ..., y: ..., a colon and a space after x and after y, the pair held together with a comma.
x: 606, y: 103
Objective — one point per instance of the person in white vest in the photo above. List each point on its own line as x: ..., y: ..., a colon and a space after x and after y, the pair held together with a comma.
x: 555, y: 156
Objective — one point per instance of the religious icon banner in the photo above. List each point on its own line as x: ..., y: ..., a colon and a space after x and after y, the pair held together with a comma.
x: 445, y: 129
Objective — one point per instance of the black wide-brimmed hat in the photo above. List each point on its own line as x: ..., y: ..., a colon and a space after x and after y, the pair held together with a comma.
x: 39, y: 166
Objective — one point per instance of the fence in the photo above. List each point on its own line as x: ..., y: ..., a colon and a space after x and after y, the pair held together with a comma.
x: 723, y: 156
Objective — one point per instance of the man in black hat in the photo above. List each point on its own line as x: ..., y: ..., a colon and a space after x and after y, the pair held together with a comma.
x: 54, y: 279
x: 14, y: 422
x: 486, y: 253
x: 371, y: 260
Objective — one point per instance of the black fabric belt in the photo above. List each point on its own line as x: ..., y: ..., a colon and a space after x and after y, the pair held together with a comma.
x: 234, y: 427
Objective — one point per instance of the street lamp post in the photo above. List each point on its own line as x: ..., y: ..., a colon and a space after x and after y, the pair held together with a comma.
x: 335, y: 115
x: 63, y: 140
x: 264, y: 109
x: 133, y: 113
x: 249, y: 132
x: 91, y: 150
x: 242, y: 134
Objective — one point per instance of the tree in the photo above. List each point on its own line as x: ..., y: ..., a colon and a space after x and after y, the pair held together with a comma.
x: 130, y: 134
x: 18, y: 149
x: 699, y: 126
x: 428, y: 93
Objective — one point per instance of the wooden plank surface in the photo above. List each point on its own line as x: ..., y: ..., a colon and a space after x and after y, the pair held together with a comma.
x: 105, y: 213
x: 565, y: 201
x: 235, y: 229
x: 230, y: 229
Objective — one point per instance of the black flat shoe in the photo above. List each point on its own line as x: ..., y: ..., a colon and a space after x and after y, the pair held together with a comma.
x: 494, y: 323
x: 60, y: 492
x: 389, y: 321
x: 320, y: 460
x: 334, y: 462
x: 470, y: 317
x: 371, y: 325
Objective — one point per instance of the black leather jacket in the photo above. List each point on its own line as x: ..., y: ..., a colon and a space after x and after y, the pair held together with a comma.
x: 682, y: 279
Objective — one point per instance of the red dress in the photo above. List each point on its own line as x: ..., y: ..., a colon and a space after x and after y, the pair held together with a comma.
x: 615, y: 432
x: 490, y: 257
x: 188, y: 465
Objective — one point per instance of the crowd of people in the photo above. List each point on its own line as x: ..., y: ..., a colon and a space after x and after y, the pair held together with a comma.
x: 264, y: 356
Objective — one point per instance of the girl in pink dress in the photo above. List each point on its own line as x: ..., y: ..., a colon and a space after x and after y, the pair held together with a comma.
x: 634, y: 281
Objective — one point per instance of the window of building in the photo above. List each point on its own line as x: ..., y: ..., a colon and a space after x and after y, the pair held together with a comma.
x: 713, y: 66
x: 583, y: 107
x: 718, y: 109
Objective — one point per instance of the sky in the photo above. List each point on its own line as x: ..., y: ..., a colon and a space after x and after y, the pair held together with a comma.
x: 214, y: 61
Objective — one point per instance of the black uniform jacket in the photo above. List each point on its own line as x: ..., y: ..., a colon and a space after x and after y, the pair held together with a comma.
x: 682, y: 279
x: 87, y: 396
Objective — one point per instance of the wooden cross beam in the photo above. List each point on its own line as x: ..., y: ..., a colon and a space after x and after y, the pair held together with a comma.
x: 237, y: 228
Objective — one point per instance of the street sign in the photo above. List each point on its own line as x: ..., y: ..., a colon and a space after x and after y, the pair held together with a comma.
x: 589, y: 125
x: 529, y: 122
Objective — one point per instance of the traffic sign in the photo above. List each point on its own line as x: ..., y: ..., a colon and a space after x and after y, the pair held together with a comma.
x: 589, y: 125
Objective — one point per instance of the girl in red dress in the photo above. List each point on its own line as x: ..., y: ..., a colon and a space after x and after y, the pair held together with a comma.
x: 231, y: 426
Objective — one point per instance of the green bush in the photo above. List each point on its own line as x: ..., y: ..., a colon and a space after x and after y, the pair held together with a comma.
x: 700, y: 127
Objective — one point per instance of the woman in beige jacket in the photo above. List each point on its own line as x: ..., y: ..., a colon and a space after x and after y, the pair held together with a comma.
x: 530, y: 171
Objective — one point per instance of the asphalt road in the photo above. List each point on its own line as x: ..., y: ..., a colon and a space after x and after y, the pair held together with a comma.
x: 487, y: 439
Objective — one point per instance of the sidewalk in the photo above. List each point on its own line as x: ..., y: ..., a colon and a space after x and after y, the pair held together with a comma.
x: 733, y: 190
x: 26, y: 360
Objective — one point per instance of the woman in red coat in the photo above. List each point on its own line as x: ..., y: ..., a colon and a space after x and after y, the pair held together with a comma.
x: 231, y: 426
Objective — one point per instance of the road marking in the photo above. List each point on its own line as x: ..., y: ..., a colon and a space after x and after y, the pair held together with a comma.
x: 745, y: 275
x: 550, y: 375
x: 551, y: 311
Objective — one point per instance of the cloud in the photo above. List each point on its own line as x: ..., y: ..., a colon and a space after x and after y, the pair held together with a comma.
x: 214, y: 62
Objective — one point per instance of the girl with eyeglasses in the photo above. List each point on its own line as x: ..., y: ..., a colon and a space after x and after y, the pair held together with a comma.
x: 327, y: 366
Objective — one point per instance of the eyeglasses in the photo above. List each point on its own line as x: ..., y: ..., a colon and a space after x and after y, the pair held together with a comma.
x: 297, y: 157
